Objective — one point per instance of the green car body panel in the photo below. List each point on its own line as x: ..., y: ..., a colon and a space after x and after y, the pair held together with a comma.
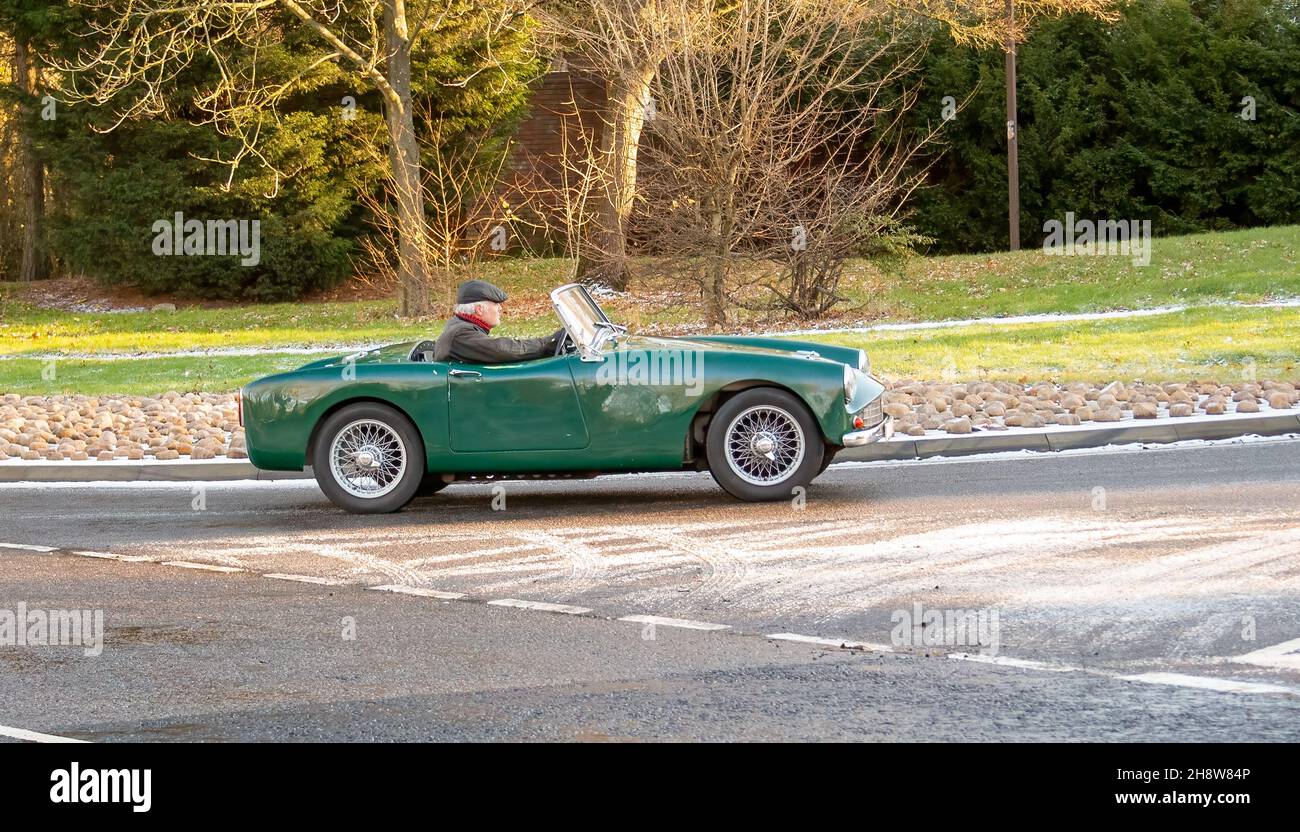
x: 633, y: 409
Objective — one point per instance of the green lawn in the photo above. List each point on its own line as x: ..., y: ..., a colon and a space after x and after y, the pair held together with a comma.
x: 1229, y: 344
x: 1198, y: 269
x: 27, y: 329
x: 1225, y: 344
x: 142, y: 376
x: 1244, y: 266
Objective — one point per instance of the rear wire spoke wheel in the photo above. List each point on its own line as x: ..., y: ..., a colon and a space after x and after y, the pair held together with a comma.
x: 762, y: 443
x: 368, y: 458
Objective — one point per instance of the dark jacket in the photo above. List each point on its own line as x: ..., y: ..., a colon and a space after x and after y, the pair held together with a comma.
x: 470, y: 343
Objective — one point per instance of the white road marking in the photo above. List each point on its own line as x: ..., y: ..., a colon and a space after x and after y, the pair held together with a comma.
x: 1005, y: 661
x: 33, y: 736
x: 304, y: 579
x: 398, y: 573
x: 582, y: 562
x: 25, y: 548
x: 539, y: 605
x: 1207, y: 683
x: 837, y: 643
x: 111, y: 556
x: 209, y: 567
x: 473, y: 554
x: 420, y: 591
x: 684, y: 623
x: 1204, y: 563
x: 1285, y: 655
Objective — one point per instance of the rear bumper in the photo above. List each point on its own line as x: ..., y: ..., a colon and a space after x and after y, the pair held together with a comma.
x: 857, y: 438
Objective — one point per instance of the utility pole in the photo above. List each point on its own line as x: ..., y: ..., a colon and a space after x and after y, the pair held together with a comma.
x: 1013, y: 132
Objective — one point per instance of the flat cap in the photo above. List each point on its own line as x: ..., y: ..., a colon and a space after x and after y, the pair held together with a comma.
x: 473, y: 291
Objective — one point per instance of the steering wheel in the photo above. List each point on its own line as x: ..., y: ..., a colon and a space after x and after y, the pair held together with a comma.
x: 565, y: 345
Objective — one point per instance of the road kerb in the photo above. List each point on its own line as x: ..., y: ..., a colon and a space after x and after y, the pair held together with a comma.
x: 1055, y: 438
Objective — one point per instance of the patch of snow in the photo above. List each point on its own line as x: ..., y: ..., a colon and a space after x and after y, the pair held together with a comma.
x: 1049, y: 317
x: 1124, y: 448
x: 208, y: 353
x: 310, y: 484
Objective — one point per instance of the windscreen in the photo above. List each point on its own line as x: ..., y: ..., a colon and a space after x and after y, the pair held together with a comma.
x: 578, y: 312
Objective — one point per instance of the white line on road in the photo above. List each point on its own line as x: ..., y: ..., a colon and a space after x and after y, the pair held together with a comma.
x: 33, y: 736
x: 25, y: 548
x: 304, y: 579
x: 1005, y: 661
x: 1285, y: 655
x: 684, y: 623
x: 421, y: 591
x: 111, y: 556
x: 1207, y: 683
x: 209, y: 567
x: 838, y: 643
x: 539, y: 605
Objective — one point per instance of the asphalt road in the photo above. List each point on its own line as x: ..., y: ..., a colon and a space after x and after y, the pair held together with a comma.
x: 1165, y: 564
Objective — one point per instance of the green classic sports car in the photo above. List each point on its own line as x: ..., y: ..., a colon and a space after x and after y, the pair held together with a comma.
x: 382, y: 426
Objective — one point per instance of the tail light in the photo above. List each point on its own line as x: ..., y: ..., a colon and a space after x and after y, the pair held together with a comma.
x: 239, y: 404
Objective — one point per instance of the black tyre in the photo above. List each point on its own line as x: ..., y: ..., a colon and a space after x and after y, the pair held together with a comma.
x: 368, y: 459
x: 828, y: 456
x: 763, y: 443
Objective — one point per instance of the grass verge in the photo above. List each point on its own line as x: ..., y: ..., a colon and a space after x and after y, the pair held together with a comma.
x: 1222, y: 343
x: 1238, y: 266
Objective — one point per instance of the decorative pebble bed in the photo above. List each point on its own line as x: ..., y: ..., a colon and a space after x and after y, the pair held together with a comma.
x: 923, y: 407
x: 206, y: 425
x: 193, y: 425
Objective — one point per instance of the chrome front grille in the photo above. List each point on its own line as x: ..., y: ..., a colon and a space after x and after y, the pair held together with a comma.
x: 874, y: 413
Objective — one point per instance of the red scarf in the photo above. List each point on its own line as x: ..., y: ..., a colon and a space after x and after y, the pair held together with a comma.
x: 475, y: 320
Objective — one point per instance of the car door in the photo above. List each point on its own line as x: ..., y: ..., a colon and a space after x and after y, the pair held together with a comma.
x: 526, y: 406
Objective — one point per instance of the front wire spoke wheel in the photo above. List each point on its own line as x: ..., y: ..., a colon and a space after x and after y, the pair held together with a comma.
x: 367, y: 458
x: 764, y: 445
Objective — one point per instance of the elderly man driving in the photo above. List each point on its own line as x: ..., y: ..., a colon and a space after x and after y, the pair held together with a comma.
x: 467, y: 338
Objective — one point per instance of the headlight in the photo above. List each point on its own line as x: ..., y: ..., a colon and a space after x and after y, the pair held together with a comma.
x: 864, y: 363
x: 850, y: 383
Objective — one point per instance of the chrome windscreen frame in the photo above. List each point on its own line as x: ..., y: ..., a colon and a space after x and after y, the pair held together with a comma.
x: 587, y: 324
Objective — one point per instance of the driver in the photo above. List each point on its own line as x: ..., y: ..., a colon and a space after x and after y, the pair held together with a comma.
x: 466, y: 335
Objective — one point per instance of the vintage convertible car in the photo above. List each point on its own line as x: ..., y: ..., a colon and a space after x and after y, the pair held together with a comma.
x: 382, y: 426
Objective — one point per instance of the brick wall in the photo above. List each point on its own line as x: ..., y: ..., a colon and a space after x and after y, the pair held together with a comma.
x: 564, y: 108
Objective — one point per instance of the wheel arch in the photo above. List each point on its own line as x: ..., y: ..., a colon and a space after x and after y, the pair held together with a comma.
x: 351, y: 400
x: 697, y: 430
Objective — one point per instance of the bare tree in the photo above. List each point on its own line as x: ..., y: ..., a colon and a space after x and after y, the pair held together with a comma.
x: 626, y: 42
x: 773, y: 152
x: 468, y: 218
x: 559, y: 192
x: 10, y: 223
x: 622, y: 42
x: 29, y: 174
x: 140, y: 46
